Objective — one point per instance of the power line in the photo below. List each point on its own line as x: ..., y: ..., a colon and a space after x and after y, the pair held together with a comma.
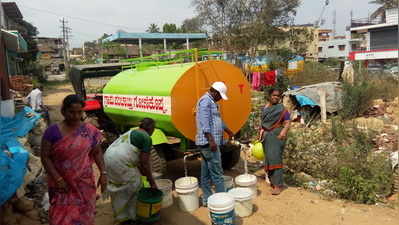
x: 77, y: 18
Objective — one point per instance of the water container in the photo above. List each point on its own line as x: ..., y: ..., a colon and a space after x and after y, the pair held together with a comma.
x: 149, y: 205
x: 243, y: 198
x: 165, y: 186
x: 248, y: 181
x: 228, y: 183
x: 7, y: 108
x: 187, y: 191
x: 221, y: 209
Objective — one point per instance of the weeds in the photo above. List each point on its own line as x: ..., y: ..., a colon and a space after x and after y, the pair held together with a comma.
x: 313, y: 73
x: 363, y: 175
x: 344, y: 155
x: 357, y: 98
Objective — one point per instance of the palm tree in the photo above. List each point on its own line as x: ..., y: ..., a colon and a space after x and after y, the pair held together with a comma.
x: 153, y: 28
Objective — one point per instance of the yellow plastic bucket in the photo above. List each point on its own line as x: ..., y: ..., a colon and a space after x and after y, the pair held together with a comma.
x: 149, y: 202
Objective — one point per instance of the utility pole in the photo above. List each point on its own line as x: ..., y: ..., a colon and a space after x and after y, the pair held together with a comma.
x: 334, y: 23
x: 65, y: 30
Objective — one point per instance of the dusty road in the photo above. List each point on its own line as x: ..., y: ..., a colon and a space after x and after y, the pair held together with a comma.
x: 53, y: 99
x: 294, y: 206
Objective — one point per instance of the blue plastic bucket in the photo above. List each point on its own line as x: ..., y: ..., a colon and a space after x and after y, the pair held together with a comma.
x: 221, y: 209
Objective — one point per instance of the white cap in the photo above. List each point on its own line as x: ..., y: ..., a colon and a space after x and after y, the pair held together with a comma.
x: 221, y: 88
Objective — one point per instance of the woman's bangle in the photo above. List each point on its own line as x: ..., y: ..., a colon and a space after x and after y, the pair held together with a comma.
x: 104, y: 173
x: 58, y: 179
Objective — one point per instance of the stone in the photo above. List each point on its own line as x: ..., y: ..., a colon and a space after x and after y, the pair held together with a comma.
x: 26, y: 220
x: 378, y: 102
x: 35, y: 139
x: 40, y: 127
x: 35, y: 168
x: 314, y: 201
x: 370, y: 123
x: 33, y: 214
x: 390, y: 110
x: 303, y: 177
x: 24, y: 205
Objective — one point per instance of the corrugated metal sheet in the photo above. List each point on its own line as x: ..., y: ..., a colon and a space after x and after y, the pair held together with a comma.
x: 158, y: 36
x: 386, y: 38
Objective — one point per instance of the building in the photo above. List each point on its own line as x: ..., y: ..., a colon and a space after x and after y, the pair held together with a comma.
x: 11, y: 45
x: 379, y: 36
x: 320, y: 36
x: 338, y: 47
x: 51, y: 55
x: 308, y: 38
x: 13, y: 29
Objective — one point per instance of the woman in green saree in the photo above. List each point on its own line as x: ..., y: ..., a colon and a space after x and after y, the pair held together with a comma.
x: 275, y: 125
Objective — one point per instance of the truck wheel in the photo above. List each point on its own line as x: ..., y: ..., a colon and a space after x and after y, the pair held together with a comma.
x: 158, y: 162
x: 230, y: 156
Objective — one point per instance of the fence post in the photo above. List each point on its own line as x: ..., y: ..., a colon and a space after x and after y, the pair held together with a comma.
x: 323, y: 105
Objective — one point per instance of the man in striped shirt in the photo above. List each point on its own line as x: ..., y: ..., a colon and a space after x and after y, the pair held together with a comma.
x: 209, y: 138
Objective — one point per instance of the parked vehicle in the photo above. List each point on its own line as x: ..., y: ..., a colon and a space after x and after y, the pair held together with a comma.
x: 166, y: 92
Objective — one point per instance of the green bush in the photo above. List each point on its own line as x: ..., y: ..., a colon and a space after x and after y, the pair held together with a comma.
x: 344, y: 155
x: 350, y: 185
x: 362, y: 174
x: 357, y: 98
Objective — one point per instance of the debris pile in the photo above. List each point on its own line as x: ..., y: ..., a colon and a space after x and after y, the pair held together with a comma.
x: 21, y: 170
x: 21, y: 83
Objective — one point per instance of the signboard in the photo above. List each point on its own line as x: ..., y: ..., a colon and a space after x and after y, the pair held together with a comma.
x: 139, y: 103
x: 383, y: 54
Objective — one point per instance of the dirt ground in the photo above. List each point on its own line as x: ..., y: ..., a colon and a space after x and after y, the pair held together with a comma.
x: 293, y: 206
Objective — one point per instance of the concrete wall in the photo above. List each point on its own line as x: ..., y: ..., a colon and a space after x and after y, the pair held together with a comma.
x: 331, y: 49
x: 392, y: 16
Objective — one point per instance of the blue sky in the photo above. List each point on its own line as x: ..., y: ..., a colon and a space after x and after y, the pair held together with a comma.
x: 89, y: 19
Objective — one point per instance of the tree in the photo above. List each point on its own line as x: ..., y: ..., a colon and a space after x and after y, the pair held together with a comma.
x: 170, y: 28
x: 242, y: 25
x: 153, y: 28
x: 192, y: 25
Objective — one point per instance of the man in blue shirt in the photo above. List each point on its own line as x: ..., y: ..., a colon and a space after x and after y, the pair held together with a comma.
x: 209, y: 138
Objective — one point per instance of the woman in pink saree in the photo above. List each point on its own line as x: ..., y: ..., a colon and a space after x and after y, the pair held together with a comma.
x: 69, y: 150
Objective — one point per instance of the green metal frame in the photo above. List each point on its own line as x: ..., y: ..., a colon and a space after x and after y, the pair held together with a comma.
x: 182, y: 56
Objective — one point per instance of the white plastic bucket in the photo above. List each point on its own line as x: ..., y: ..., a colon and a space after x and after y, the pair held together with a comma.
x: 221, y: 209
x: 228, y: 183
x: 243, y: 198
x: 247, y: 181
x: 187, y: 193
x: 165, y: 186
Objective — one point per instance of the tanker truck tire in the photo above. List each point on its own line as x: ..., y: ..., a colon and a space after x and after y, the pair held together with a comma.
x: 230, y: 156
x: 158, y: 162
